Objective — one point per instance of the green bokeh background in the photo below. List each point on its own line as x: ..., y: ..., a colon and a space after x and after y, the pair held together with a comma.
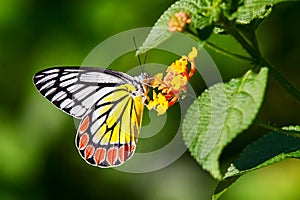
x: 38, y: 158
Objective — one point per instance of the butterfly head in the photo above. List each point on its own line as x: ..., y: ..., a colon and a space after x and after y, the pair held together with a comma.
x: 143, y: 77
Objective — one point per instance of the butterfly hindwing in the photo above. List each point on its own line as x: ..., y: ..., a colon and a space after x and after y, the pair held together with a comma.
x: 107, y: 135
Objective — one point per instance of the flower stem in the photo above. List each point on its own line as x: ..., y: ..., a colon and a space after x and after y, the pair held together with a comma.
x: 290, y: 88
x: 277, y: 129
x: 255, y: 54
x: 225, y: 52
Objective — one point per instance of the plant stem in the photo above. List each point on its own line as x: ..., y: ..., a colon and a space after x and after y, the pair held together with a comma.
x: 277, y: 129
x: 266, y: 125
x: 225, y: 52
x: 291, y: 89
x: 254, y: 54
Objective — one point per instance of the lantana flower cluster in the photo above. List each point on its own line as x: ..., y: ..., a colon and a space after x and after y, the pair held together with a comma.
x: 179, y: 21
x: 167, y: 90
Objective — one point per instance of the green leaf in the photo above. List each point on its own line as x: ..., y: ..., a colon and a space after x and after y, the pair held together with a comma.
x: 267, y: 150
x: 289, y: 130
x: 160, y: 31
x: 292, y: 129
x: 253, y: 9
x: 219, y: 115
x: 223, y: 186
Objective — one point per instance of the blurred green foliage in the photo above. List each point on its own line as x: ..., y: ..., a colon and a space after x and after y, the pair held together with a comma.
x: 38, y: 156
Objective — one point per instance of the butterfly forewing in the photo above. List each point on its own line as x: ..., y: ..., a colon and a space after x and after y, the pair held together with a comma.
x: 74, y: 89
x: 109, y: 103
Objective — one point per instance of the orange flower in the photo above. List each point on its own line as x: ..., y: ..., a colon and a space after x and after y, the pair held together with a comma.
x: 173, y: 85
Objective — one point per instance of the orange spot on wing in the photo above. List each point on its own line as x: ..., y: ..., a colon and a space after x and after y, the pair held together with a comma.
x: 84, y: 139
x: 89, y: 151
x: 111, y: 156
x: 128, y: 151
x: 84, y: 124
x: 132, y: 147
x: 121, y: 154
x: 99, y: 155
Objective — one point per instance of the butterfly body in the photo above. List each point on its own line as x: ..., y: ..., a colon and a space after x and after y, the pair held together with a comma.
x: 109, y: 103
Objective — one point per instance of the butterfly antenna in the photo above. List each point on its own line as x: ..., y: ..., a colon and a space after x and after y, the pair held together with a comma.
x: 145, y: 58
x: 139, y: 58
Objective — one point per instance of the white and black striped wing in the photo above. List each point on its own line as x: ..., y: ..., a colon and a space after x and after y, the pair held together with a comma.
x: 76, y: 89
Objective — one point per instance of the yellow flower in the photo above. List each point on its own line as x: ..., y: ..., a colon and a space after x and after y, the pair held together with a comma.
x: 178, y: 82
x: 173, y: 85
x: 159, y: 103
x: 178, y: 66
x: 162, y: 106
x: 193, y: 54
x: 157, y: 80
x: 162, y: 101
x: 160, y: 110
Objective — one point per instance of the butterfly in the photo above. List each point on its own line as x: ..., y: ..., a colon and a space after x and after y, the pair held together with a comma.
x: 109, y: 104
